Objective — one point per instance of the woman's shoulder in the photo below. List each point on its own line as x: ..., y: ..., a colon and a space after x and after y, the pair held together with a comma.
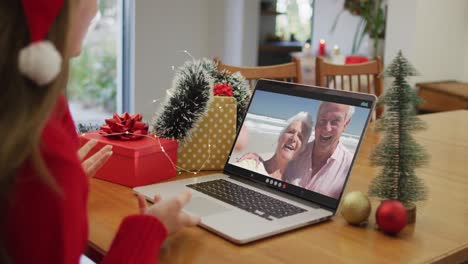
x: 59, y: 136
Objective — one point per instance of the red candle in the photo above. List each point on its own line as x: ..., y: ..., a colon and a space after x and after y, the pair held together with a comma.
x: 321, y: 50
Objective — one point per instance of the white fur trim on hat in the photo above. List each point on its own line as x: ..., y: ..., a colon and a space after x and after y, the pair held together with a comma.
x: 40, y: 62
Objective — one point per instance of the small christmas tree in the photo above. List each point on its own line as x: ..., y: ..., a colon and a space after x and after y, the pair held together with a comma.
x: 398, y: 153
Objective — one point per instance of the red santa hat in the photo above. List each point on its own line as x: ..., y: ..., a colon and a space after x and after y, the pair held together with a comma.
x: 40, y: 61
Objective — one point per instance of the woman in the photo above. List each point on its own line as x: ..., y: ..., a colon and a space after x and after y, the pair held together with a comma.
x: 291, y: 141
x: 43, y: 182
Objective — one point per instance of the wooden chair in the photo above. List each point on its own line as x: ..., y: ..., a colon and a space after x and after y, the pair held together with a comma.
x: 289, y: 72
x: 363, y: 77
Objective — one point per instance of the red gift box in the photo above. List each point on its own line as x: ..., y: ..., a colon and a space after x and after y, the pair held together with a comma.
x: 136, y: 162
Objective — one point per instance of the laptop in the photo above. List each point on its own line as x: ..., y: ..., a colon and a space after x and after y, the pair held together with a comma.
x: 244, y: 204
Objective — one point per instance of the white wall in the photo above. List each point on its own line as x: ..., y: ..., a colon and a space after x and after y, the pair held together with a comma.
x: 162, y: 30
x: 216, y: 42
x: 432, y: 34
x: 464, y: 76
x: 203, y: 27
x: 234, y: 38
x: 400, y: 30
x: 440, y: 40
x: 251, y: 27
x: 241, y: 25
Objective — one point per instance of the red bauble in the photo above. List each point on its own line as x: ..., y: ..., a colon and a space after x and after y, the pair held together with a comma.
x: 391, y: 216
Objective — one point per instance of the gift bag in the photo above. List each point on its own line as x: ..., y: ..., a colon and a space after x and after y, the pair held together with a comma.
x: 209, y: 145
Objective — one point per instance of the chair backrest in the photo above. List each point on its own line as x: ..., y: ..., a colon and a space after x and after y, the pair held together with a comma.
x: 362, y: 77
x: 289, y: 72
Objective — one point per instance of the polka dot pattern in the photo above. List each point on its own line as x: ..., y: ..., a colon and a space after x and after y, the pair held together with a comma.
x: 218, y: 129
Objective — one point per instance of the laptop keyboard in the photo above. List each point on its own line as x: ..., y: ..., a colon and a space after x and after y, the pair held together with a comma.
x: 247, y: 199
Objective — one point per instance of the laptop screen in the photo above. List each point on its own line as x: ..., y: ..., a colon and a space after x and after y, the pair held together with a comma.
x: 301, y: 140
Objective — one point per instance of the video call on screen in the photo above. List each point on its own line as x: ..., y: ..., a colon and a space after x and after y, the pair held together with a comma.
x: 284, y: 131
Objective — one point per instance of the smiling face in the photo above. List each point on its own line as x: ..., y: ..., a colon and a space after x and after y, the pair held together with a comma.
x: 290, y: 142
x: 331, y: 122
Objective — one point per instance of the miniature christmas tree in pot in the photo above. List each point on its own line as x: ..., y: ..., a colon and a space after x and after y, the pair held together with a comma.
x: 398, y: 153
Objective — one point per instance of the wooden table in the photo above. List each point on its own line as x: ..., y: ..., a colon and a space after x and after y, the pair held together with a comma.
x: 439, y: 235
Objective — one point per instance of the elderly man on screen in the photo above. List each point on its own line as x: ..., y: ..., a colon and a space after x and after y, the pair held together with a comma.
x: 323, y: 165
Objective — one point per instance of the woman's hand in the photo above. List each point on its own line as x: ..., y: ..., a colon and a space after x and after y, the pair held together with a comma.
x: 92, y: 164
x: 251, y: 156
x: 169, y: 212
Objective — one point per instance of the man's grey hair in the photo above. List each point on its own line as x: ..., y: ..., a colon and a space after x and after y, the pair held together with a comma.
x: 349, y: 113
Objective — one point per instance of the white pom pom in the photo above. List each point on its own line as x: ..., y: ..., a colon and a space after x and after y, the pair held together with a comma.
x: 40, y: 62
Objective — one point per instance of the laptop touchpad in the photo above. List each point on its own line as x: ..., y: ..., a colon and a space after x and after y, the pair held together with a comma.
x: 204, y: 207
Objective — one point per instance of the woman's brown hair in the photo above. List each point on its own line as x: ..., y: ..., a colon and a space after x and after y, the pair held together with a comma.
x: 25, y: 106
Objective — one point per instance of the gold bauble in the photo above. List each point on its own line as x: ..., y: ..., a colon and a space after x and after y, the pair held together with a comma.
x: 355, y: 208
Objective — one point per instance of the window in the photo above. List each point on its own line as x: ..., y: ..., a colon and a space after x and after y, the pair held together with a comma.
x: 297, y: 21
x: 98, y: 84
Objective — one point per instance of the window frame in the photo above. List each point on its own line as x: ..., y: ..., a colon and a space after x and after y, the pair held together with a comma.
x: 125, y: 98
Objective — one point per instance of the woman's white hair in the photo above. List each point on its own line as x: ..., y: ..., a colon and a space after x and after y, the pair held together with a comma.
x: 307, y: 124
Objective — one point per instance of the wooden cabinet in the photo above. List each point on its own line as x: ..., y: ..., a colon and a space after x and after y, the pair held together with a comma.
x: 443, y: 96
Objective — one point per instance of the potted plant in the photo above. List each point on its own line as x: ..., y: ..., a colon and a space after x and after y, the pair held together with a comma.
x: 372, y: 22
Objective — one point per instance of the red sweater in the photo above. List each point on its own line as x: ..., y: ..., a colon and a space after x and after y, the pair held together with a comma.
x: 42, y: 226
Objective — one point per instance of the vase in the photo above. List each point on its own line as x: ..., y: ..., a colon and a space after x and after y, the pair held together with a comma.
x: 371, y: 53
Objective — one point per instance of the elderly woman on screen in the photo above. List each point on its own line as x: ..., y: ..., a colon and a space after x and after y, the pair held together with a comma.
x: 291, y: 142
